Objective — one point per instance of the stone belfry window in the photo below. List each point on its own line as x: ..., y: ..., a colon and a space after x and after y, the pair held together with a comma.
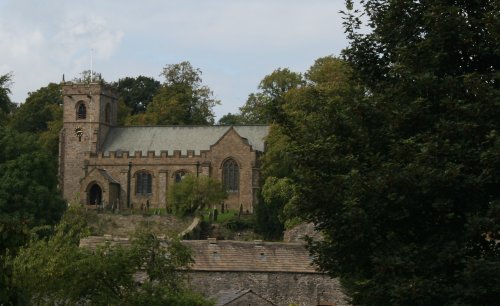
x: 231, y: 176
x: 143, y: 183
x: 81, y: 112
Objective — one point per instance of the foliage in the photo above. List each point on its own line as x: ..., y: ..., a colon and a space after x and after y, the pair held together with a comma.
x: 88, y: 76
x: 28, y: 184
x: 277, y: 199
x: 396, y: 158
x: 28, y: 197
x: 49, y: 139
x: 5, y: 102
x: 57, y: 271
x: 255, y: 109
x: 41, y: 114
x: 39, y: 108
x: 137, y: 92
x: 193, y: 193
x: 266, y: 105
x: 239, y: 223
x: 181, y: 99
x: 231, y: 119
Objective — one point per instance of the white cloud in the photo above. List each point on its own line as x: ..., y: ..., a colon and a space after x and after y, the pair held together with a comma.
x: 86, y: 33
x: 234, y: 42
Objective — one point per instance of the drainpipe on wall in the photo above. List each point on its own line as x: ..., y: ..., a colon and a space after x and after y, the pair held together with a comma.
x: 197, y: 168
x: 128, y: 183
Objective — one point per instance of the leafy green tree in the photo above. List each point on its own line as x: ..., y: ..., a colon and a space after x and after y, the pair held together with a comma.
x: 401, y: 172
x: 137, y: 92
x: 41, y: 114
x: 56, y: 270
x: 266, y: 105
x: 276, y: 171
x: 271, y: 214
x: 28, y: 197
x: 49, y: 139
x: 193, y: 193
x: 278, y: 210
x: 255, y: 109
x: 231, y: 119
x: 41, y: 107
x: 182, y: 99
x: 28, y: 184
x: 5, y: 102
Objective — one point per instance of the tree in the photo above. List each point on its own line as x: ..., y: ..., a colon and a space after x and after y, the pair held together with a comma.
x: 266, y: 105
x: 193, y: 193
x: 28, y: 183
x: 182, y: 99
x: 41, y: 114
x: 231, y: 119
x: 278, y: 89
x: 57, y: 271
x: 401, y: 172
x: 5, y: 102
x: 89, y: 76
x: 137, y: 92
x: 28, y: 197
x: 276, y: 171
x: 41, y: 107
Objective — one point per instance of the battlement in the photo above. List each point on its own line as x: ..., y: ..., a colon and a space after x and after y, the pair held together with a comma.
x: 70, y: 88
x: 111, y: 155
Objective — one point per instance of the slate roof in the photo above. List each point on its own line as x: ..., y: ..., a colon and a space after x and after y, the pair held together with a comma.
x: 235, y: 256
x: 227, y: 255
x: 183, y: 138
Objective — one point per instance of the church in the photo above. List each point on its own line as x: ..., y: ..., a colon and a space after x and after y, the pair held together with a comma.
x: 101, y: 163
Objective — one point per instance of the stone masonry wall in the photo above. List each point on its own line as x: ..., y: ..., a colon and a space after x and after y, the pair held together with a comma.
x: 284, y: 289
x: 233, y: 146
x: 80, y: 155
x: 72, y: 147
x: 163, y: 168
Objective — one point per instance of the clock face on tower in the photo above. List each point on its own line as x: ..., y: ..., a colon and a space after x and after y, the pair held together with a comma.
x: 79, y: 133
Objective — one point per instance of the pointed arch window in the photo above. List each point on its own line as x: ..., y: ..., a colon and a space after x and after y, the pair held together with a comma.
x: 231, y: 175
x: 143, y: 183
x: 81, y: 112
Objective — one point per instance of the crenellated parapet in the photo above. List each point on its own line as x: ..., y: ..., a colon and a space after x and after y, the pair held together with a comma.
x: 177, y: 154
x: 69, y: 89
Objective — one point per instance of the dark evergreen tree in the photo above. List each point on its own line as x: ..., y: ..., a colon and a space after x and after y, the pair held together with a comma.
x: 5, y: 102
x: 137, y: 92
x: 402, y: 177
x: 28, y: 198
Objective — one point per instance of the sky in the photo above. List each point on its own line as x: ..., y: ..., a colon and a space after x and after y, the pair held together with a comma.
x: 235, y: 43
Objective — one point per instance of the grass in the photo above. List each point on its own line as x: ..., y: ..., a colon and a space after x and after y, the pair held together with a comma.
x: 226, y: 216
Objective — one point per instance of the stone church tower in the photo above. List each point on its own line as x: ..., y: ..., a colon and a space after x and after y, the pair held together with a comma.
x: 90, y: 110
x: 103, y: 164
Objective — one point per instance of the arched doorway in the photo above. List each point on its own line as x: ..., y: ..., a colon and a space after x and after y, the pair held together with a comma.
x: 95, y: 195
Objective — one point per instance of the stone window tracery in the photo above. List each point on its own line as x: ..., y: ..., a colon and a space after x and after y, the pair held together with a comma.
x: 143, y: 183
x: 231, y: 175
